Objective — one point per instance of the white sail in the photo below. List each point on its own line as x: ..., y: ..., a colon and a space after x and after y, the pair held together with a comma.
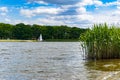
x: 40, y: 38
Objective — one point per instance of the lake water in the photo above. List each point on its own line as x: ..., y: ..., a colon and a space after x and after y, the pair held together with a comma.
x: 52, y: 61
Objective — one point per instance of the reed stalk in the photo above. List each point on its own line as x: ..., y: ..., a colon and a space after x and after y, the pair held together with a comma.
x: 101, y: 42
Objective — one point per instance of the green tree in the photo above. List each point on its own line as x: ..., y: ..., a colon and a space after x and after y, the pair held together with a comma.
x: 36, y: 31
x: 75, y: 32
x: 22, y: 31
x: 5, y: 31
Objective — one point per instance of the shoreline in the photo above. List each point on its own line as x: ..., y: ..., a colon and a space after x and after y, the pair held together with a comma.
x: 12, y: 40
x: 49, y: 40
x: 61, y: 40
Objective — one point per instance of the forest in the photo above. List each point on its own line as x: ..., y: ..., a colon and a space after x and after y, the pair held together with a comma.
x: 31, y: 32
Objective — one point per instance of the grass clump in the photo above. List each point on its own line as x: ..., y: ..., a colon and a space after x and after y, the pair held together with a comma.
x: 101, y: 42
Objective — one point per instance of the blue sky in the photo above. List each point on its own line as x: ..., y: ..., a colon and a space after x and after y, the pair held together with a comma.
x: 79, y: 13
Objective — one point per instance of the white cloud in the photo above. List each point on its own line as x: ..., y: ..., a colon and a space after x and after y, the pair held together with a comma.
x: 97, y: 3
x: 80, y: 20
x: 111, y: 3
x: 118, y: 4
x: 90, y: 2
x: 85, y: 17
x: 69, y: 20
x: 108, y: 16
x: 17, y: 21
x: 7, y: 20
x: 86, y: 2
x: 81, y: 10
x: 76, y: 14
x: 41, y: 10
x: 46, y: 21
x: 117, y: 12
x: 42, y: 2
x: 3, y: 9
x: 27, y: 12
x: 45, y: 10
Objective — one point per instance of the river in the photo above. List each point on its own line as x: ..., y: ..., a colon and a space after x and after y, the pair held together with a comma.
x: 52, y: 61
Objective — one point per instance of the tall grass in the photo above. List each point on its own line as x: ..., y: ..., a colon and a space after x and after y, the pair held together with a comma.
x: 101, y: 42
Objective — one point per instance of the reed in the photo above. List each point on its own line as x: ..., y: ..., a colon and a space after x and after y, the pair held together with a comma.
x: 101, y: 42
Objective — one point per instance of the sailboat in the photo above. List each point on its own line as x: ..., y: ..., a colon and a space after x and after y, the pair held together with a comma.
x: 40, y: 38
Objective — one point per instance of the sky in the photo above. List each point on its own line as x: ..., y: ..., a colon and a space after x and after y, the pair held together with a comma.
x: 78, y: 13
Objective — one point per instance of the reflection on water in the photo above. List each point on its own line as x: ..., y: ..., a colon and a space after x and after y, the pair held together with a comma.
x: 103, y: 69
x: 104, y: 65
x: 49, y: 61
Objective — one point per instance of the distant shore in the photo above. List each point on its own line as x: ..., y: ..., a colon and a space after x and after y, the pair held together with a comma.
x: 48, y: 40
x: 12, y: 40
x: 61, y: 40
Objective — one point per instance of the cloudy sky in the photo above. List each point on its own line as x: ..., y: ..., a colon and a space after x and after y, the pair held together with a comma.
x: 80, y: 13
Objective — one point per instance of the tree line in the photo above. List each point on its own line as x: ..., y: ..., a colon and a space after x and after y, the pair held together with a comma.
x: 25, y: 32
